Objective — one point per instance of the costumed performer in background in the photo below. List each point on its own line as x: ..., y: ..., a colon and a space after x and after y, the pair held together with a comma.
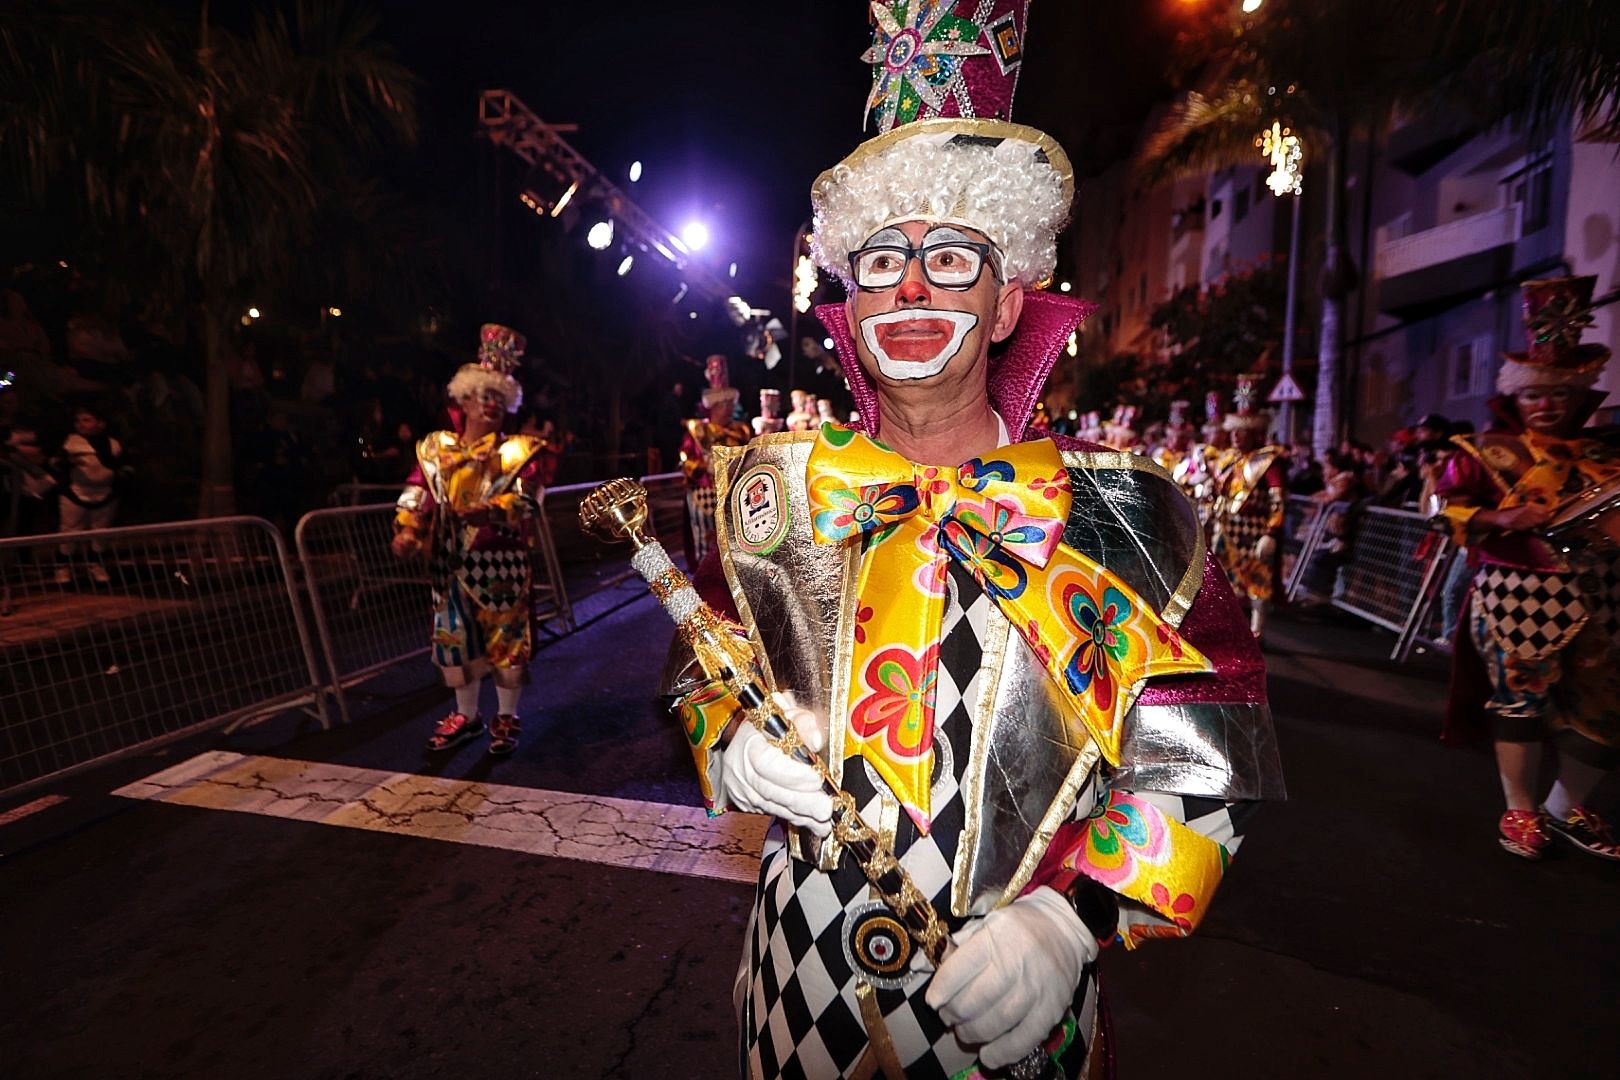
x: 720, y: 429
x: 1014, y: 650
x: 471, y: 501
x: 1250, y: 500
x: 1536, y: 657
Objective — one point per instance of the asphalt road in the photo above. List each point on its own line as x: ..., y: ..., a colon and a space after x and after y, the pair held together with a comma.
x: 1370, y: 925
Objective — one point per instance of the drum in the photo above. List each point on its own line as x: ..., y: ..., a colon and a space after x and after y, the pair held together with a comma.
x: 1589, y: 521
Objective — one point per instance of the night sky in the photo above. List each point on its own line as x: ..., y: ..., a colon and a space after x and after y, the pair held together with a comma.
x: 733, y: 107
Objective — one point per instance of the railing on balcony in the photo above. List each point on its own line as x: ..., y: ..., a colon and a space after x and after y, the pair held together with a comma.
x: 1458, y: 239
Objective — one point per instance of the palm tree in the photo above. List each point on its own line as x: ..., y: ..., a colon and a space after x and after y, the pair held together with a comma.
x: 1293, y: 64
x: 1336, y: 69
x: 212, y: 149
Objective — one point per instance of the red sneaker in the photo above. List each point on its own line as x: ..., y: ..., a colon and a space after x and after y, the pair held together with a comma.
x: 1586, y: 831
x: 1524, y: 833
x: 454, y: 730
x: 503, y: 735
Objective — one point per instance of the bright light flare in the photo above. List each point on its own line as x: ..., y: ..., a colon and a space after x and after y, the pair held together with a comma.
x: 600, y: 236
x: 1251, y: 6
x: 695, y: 235
x: 253, y: 313
x: 625, y: 264
x: 635, y: 171
x: 335, y: 312
x: 804, y: 283
x: 1064, y: 286
x: 1283, y: 150
x: 731, y: 271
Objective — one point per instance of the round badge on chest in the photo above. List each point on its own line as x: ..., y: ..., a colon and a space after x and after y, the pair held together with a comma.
x: 877, y: 947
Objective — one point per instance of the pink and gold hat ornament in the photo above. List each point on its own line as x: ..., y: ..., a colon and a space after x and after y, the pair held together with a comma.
x: 946, y: 152
x: 944, y: 73
x: 1557, y: 311
x: 500, y: 354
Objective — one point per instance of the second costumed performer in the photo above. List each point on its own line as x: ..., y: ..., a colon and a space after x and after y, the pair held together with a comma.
x: 471, y: 502
x: 1013, y: 650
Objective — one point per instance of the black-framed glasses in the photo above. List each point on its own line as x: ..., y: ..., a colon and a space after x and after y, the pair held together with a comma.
x: 947, y: 264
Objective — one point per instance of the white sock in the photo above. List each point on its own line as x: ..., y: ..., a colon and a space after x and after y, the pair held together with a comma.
x: 506, y: 699
x: 1576, y: 779
x: 467, y: 699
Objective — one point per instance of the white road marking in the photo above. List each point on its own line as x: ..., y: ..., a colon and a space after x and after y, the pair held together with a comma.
x: 591, y: 828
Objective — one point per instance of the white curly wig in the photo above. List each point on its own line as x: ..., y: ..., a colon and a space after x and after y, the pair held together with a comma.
x: 1004, y: 190
x: 472, y: 378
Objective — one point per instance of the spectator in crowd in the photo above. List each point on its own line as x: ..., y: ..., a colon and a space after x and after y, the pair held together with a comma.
x: 1304, y: 476
x: 93, y: 467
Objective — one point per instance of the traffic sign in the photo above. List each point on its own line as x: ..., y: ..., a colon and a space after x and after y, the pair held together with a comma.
x: 1285, y: 390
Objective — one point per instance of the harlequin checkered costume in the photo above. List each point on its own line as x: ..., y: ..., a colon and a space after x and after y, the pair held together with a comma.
x: 928, y: 643
x: 1537, y: 663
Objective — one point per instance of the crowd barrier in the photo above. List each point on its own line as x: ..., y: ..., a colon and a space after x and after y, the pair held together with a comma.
x: 1383, y: 565
x: 124, y: 638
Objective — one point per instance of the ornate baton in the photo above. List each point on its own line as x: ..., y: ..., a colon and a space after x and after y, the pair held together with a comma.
x: 617, y: 511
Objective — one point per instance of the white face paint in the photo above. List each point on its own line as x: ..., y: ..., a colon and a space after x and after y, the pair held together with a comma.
x: 926, y: 327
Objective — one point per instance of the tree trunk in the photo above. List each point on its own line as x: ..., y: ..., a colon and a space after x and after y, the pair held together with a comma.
x: 1338, y: 278
x: 218, y: 496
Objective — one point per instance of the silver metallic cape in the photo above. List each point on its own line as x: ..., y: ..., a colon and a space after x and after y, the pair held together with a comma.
x: 1027, y: 761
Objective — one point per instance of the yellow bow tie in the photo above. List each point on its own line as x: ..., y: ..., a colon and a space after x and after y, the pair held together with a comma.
x: 1002, y: 518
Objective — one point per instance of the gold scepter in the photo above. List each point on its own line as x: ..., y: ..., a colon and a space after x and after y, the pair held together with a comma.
x: 617, y: 511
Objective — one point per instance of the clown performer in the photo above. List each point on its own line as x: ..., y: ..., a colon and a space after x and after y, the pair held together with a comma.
x: 802, y: 417
x: 1177, y: 444
x: 471, y: 501
x: 1250, y: 498
x: 1536, y: 658
x: 719, y: 429
x: 1012, y: 650
x: 770, y: 412
x: 1120, y: 430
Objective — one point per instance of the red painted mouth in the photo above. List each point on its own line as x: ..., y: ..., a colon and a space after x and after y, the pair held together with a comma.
x: 914, y: 339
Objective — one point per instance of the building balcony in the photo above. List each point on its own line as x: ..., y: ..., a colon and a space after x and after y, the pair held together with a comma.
x: 1460, y: 257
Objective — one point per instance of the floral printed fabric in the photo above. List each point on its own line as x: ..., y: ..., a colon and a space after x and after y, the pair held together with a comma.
x: 1002, y: 518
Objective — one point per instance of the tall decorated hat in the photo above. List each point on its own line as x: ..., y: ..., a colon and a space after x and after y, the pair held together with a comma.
x: 1245, y: 415
x: 1178, y: 416
x: 1557, y: 312
x: 946, y: 151
x: 500, y: 353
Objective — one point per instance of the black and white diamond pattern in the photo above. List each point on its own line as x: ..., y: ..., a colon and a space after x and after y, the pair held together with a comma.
x: 802, y: 1018
x: 497, y: 580
x: 1530, y: 614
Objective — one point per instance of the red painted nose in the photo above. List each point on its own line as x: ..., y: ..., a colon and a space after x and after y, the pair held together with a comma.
x: 913, y: 290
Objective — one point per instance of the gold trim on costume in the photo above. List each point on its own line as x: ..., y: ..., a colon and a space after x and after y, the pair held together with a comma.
x: 1056, y: 814
x: 1192, y: 579
x: 997, y: 630
x: 877, y: 1032
x: 721, y: 461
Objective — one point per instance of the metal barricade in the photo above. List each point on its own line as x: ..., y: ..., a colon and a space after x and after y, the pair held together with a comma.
x: 1302, y: 519
x: 365, y: 494
x: 373, y: 610
x: 1389, y: 579
x: 120, y: 639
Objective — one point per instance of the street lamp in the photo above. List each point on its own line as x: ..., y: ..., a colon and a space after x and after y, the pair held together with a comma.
x: 1286, y: 155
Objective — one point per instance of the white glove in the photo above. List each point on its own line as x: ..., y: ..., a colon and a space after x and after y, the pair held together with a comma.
x: 1012, y: 975
x: 1265, y: 548
x: 758, y: 777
